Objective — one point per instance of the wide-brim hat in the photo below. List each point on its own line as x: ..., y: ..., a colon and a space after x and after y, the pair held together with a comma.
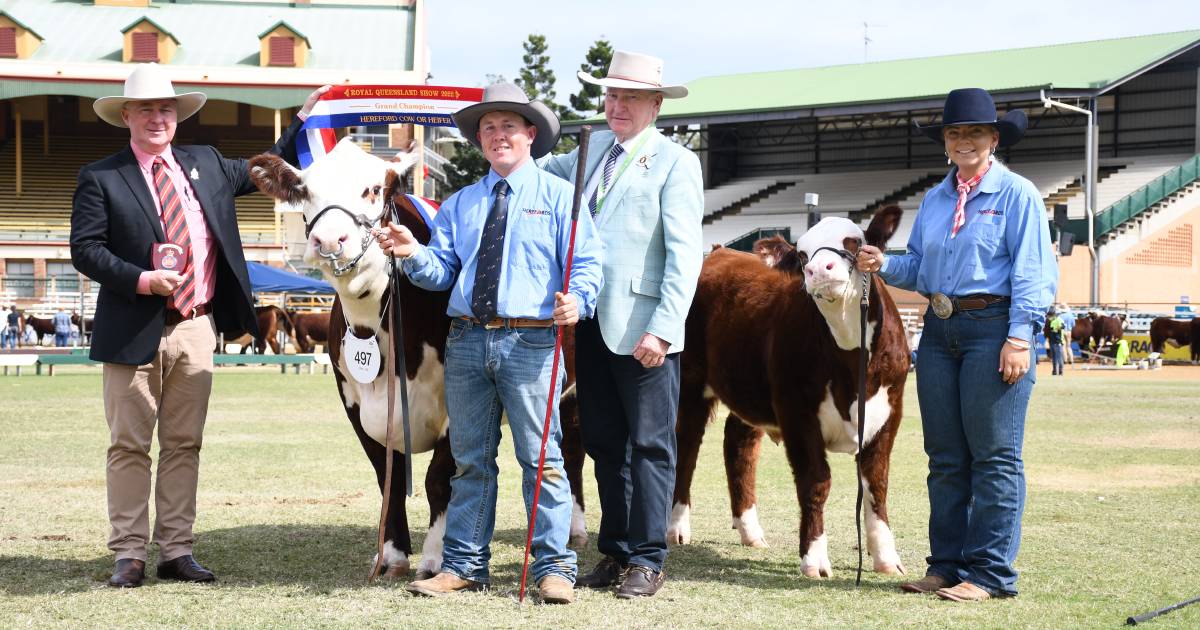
x: 974, y: 106
x: 635, y: 71
x: 506, y: 97
x: 148, y: 82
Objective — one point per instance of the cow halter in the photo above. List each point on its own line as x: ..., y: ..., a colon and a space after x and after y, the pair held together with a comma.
x: 364, y: 225
x: 849, y: 258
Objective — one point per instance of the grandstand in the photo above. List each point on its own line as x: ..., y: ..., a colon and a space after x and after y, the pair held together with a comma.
x: 847, y: 133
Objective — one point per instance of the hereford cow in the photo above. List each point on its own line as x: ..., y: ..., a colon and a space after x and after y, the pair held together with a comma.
x: 271, y: 321
x: 781, y: 351
x: 1178, y: 333
x: 777, y: 253
x: 1106, y: 329
x: 343, y: 195
x: 1081, y: 332
x: 309, y: 330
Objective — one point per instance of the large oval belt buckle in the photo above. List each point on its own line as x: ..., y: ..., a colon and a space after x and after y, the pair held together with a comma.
x: 942, y: 306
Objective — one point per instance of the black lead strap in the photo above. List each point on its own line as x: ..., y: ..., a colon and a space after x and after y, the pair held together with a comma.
x: 862, y: 413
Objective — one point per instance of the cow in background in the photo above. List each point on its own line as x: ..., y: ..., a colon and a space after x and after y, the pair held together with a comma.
x: 1106, y: 329
x: 309, y: 330
x: 1178, y: 333
x: 780, y: 349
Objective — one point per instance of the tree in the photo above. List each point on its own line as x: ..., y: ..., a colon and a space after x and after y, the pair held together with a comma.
x: 590, y: 99
x: 536, y: 77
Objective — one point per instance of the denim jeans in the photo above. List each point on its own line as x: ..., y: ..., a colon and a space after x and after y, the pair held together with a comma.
x: 974, y: 425
x: 61, y: 339
x: 9, y: 338
x: 490, y: 372
x: 1056, y: 358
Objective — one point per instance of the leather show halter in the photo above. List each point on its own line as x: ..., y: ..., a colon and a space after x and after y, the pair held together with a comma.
x: 364, y: 225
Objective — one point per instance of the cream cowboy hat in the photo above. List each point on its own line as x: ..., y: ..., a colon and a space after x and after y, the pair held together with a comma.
x: 148, y: 82
x: 635, y: 71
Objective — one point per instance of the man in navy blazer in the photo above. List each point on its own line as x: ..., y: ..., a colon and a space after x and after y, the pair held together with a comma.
x: 155, y: 329
x: 647, y: 196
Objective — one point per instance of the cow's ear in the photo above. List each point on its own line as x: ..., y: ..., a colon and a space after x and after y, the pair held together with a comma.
x: 394, y: 186
x: 803, y: 256
x: 852, y: 244
x: 883, y: 226
x: 278, y: 179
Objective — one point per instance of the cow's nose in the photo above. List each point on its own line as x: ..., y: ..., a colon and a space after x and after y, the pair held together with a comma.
x: 329, y: 244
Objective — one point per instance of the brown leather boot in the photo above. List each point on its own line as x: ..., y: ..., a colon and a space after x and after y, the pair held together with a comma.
x: 964, y: 592
x: 928, y: 584
x: 556, y: 589
x: 442, y: 584
x: 128, y: 573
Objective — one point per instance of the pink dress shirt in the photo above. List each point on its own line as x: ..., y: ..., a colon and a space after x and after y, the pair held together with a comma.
x: 204, y: 248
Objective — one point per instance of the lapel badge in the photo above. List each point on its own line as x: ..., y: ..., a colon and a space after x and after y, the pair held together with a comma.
x: 195, y: 174
x: 644, y: 161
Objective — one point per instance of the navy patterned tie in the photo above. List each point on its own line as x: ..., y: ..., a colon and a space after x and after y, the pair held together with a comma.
x: 485, y: 294
x: 610, y: 167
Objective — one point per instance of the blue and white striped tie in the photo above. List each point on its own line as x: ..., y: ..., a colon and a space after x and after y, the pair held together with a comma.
x: 610, y: 167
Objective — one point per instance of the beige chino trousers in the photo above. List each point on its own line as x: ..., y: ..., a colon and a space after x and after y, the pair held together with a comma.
x: 171, y: 391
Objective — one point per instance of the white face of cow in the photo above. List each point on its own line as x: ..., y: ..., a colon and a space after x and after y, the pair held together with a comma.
x: 827, y: 275
x: 339, y: 242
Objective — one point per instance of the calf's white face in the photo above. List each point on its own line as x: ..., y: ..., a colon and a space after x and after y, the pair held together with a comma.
x: 827, y: 275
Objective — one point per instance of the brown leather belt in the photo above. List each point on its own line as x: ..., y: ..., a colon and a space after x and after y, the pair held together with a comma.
x: 174, y: 317
x: 944, y: 306
x: 511, y: 322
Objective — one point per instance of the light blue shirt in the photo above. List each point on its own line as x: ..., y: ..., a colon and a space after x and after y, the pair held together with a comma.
x: 536, y: 238
x: 1003, y: 249
x: 62, y: 323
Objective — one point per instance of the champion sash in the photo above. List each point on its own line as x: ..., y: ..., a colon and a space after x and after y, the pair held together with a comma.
x: 353, y: 105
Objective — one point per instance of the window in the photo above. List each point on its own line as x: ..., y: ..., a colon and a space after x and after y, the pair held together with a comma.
x: 8, y: 41
x: 283, y: 51
x: 145, y: 47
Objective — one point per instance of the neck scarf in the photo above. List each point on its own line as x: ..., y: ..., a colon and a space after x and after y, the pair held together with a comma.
x: 964, y: 187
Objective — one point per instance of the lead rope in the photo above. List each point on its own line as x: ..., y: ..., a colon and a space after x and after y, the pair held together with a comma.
x: 862, y: 412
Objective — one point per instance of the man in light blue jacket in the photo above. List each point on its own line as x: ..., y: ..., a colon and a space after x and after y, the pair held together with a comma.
x: 646, y: 195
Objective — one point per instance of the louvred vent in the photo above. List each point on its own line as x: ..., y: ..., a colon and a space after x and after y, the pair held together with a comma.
x: 283, y: 51
x: 8, y: 41
x: 145, y: 47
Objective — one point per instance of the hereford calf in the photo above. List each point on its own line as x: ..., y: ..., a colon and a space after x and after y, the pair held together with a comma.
x: 780, y: 349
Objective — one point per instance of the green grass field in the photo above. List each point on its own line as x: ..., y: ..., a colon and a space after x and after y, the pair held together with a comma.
x: 287, y: 511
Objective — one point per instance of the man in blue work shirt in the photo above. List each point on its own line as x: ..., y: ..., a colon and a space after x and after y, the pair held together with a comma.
x: 62, y: 328
x: 500, y: 246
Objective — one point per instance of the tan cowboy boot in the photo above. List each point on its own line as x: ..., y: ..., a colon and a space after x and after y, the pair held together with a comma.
x: 964, y: 592
x: 556, y: 589
x: 928, y: 584
x: 442, y: 584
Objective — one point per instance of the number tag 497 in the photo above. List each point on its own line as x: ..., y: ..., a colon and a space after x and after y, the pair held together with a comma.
x: 362, y: 357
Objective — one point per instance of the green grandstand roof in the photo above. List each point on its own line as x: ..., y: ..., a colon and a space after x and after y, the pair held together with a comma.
x: 1089, y: 67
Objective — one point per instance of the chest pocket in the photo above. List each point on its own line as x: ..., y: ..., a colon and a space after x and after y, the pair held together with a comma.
x: 986, y: 232
x: 532, y: 242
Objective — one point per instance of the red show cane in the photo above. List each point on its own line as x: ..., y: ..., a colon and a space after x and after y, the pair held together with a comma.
x: 585, y: 133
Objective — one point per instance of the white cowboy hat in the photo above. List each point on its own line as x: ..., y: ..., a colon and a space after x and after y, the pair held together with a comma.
x: 148, y: 82
x: 635, y: 71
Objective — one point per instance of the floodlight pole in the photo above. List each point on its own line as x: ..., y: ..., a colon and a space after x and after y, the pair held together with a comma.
x: 1089, y: 189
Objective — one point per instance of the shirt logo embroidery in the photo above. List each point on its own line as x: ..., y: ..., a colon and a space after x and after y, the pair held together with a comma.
x: 536, y: 212
x: 992, y: 211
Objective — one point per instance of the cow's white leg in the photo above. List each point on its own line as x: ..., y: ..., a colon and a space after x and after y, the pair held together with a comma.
x: 815, y: 563
x: 431, y: 550
x: 749, y: 528
x: 395, y: 562
x: 579, y: 535
x: 679, y: 532
x: 880, y: 542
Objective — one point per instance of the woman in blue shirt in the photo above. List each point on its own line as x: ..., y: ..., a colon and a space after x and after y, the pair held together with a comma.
x: 980, y: 250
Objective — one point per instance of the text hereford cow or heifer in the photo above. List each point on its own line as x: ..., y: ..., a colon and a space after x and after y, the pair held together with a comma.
x: 780, y: 349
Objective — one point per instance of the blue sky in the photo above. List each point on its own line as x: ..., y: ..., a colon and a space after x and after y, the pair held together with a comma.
x: 697, y: 38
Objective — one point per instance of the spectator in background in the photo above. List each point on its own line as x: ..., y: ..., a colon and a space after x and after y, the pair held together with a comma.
x: 1068, y: 318
x: 1054, y: 336
x: 9, y: 327
x: 62, y: 328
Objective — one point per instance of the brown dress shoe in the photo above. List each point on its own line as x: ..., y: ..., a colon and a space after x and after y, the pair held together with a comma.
x: 184, y: 569
x: 128, y: 573
x: 928, y: 584
x: 442, y: 584
x: 964, y: 592
x: 556, y: 589
x: 606, y: 573
x: 641, y: 581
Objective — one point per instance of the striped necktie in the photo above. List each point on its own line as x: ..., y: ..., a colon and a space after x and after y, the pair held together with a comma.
x: 486, y: 291
x: 610, y: 167
x: 176, y: 230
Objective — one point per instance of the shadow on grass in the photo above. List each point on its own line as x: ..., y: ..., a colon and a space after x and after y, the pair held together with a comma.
x: 322, y: 558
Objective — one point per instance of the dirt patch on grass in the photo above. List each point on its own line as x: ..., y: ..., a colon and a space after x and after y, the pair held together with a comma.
x: 1129, y: 476
x: 1174, y: 439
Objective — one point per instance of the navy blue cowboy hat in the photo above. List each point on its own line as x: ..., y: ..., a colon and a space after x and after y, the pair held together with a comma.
x: 974, y: 106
